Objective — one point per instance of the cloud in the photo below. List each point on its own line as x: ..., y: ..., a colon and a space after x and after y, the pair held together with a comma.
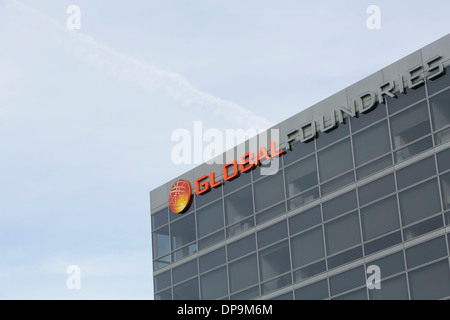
x: 144, y: 75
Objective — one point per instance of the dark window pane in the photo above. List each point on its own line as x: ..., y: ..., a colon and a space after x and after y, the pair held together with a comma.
x: 379, y: 218
x: 440, y: 114
x: 315, y: 291
x: 325, y: 138
x: 246, y: 294
x: 271, y: 213
x: 345, y: 257
x: 416, y: 172
x: 213, y: 285
x: 276, y: 283
x: 238, y: 205
x: 443, y: 159
x: 374, y: 166
x: 390, y: 265
x: 269, y: 191
x: 383, y: 243
x: 413, y: 149
x: 301, y: 176
x: 242, y: 180
x: 337, y: 183
x: 410, y: 125
x: 430, y: 282
x: 304, y: 220
x: 438, y: 83
x: 212, y: 260
x: 405, y: 99
x: 425, y: 252
x: 309, y: 271
x: 371, y: 143
x: 299, y: 150
x: 272, y: 234
x: 307, y: 247
x: 366, y: 119
x: 184, y: 252
x: 347, y: 280
x: 339, y: 205
x: 304, y: 198
x: 162, y: 262
x: 209, y: 219
x: 182, y: 231
x: 241, y: 247
x: 328, y: 166
x: 211, y: 239
x: 342, y: 233
x: 185, y: 271
x: 419, y: 202
x: 210, y: 196
x: 243, y: 273
x: 161, y: 243
x: 160, y: 218
x: 376, y: 189
x: 391, y: 289
x: 186, y: 291
x: 164, y: 295
x: 240, y: 227
x: 162, y: 281
x: 445, y: 186
x: 422, y: 228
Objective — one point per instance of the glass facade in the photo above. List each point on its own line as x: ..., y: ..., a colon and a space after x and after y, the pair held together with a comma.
x: 375, y: 191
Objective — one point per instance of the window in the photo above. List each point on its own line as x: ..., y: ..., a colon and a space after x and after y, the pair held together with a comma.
x: 391, y: 289
x: 342, y: 233
x: 371, y: 143
x: 419, y: 202
x: 186, y: 291
x: 405, y: 99
x: 299, y: 150
x: 390, y: 265
x: 301, y: 176
x: 379, y: 218
x: 212, y: 260
x: 213, y: 285
x: 243, y: 273
x: 160, y: 241
x: 339, y: 205
x: 241, y: 247
x: 416, y: 172
x: 307, y: 247
x: 269, y: 191
x: 184, y: 271
x: 209, y: 219
x: 366, y: 119
x: 376, y: 189
x: 425, y: 252
x: 409, y: 126
x: 430, y: 282
x: 329, y: 167
x: 315, y: 291
x: 445, y: 186
x: 440, y: 115
x: 182, y: 231
x: 443, y: 159
x: 160, y: 218
x: 238, y: 205
x: 304, y: 220
x: 347, y: 280
x: 162, y: 281
x: 272, y: 234
x: 274, y: 260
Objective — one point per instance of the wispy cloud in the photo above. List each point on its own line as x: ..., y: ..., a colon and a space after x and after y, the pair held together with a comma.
x: 144, y: 75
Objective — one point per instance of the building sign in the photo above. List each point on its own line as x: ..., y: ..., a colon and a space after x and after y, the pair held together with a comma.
x: 180, y: 194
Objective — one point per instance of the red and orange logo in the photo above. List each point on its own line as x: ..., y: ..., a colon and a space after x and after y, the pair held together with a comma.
x: 180, y: 196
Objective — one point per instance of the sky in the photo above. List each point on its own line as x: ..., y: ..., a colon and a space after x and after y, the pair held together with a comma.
x: 87, y: 115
